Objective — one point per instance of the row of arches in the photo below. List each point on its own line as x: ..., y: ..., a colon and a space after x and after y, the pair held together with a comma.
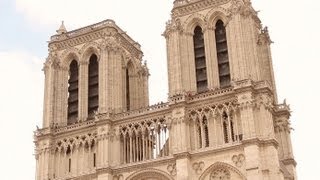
x: 221, y: 54
x: 215, y: 126
x: 92, y: 89
x: 73, y: 89
x: 74, y: 156
x: 145, y: 140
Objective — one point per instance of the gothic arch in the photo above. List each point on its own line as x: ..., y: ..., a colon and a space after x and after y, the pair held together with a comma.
x: 216, y: 14
x: 68, y: 56
x: 222, y: 165
x: 88, y: 49
x: 193, y: 21
x: 150, y: 173
x: 131, y: 66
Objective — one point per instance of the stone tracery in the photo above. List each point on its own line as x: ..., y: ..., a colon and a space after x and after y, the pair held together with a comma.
x: 215, y: 124
x: 220, y: 174
x: 144, y: 140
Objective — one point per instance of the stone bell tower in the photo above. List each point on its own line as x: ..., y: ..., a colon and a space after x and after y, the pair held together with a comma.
x: 219, y: 57
x: 222, y: 119
x: 90, y: 72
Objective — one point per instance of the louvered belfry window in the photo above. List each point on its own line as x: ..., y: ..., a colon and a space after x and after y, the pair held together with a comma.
x: 93, y: 85
x: 127, y: 90
x: 200, y: 60
x: 73, y: 88
x: 222, y: 54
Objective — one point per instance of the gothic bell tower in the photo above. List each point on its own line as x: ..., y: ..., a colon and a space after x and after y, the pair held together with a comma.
x: 221, y: 77
x: 222, y: 119
x: 90, y: 73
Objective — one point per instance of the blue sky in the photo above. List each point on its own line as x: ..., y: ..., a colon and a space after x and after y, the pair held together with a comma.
x: 26, y: 25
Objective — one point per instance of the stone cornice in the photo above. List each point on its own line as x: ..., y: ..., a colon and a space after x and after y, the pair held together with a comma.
x: 90, y: 33
x: 184, y: 7
x: 143, y: 164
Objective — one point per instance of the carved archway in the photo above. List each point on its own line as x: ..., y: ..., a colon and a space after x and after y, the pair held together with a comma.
x: 150, y: 174
x: 194, y: 21
x: 222, y: 171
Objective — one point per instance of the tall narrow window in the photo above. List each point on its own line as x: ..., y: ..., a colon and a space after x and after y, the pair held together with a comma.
x: 200, y: 60
x: 94, y: 159
x: 222, y: 54
x: 69, y: 164
x: 93, y: 85
x: 206, y: 131
x: 199, y: 133
x: 73, y: 93
x: 127, y: 88
x: 225, y: 127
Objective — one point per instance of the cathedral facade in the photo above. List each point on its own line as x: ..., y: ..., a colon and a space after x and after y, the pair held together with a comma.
x: 222, y: 120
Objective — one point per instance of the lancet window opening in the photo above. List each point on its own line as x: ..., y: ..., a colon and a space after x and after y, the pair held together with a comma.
x: 205, y: 131
x: 214, y: 126
x: 93, y: 85
x: 73, y: 88
x: 144, y: 141
x: 222, y: 54
x: 202, y: 132
x: 68, y: 156
x: 200, y: 60
x: 127, y: 89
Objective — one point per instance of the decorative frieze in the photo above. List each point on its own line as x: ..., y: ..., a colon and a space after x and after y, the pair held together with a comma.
x: 190, y: 6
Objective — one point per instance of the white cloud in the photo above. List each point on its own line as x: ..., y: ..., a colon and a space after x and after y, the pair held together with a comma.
x: 21, y: 109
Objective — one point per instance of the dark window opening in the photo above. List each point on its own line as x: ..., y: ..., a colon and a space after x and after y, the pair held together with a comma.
x: 200, y: 60
x: 94, y: 159
x: 199, y: 134
x: 73, y: 92
x: 225, y: 127
x: 69, y: 164
x: 206, y: 131
x: 222, y: 54
x: 127, y: 89
x: 93, y: 85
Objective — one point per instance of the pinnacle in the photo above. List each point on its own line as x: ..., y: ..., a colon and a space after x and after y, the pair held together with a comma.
x: 62, y: 29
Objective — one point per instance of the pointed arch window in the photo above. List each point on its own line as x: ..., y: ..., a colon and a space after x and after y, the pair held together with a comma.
x: 222, y: 54
x: 128, y: 83
x: 73, y: 92
x: 93, y: 85
x: 225, y: 127
x: 205, y: 131
x: 200, y: 60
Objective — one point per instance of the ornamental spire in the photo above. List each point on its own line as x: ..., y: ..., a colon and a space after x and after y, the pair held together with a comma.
x: 62, y: 29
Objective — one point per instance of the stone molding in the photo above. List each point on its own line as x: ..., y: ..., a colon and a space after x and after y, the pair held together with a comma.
x: 149, y: 172
x: 190, y: 6
x: 220, y: 165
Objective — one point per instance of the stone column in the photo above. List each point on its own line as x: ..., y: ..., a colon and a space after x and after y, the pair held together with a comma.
x: 253, y: 160
x: 48, y: 95
x: 174, y: 63
x: 246, y: 114
x: 83, y: 90
x: 64, y: 95
x: 115, y: 141
x: 211, y: 58
x: 237, y: 62
x: 183, y: 167
x: 190, y: 60
x: 103, y: 81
